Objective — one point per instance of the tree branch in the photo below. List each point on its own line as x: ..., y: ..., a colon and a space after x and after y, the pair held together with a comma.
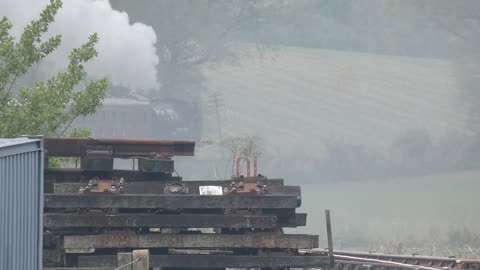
x: 68, y: 125
x: 7, y: 94
x: 52, y: 104
x: 238, y: 19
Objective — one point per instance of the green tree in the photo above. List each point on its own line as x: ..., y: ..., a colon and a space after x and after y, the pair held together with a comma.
x: 48, y: 107
x: 460, y: 22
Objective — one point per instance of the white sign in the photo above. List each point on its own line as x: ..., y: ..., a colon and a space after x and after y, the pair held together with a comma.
x: 210, y: 190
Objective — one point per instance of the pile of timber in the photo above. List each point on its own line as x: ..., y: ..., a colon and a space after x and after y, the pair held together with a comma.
x: 205, y: 224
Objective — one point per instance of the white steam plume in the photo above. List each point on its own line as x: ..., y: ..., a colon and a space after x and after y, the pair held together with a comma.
x: 126, y: 52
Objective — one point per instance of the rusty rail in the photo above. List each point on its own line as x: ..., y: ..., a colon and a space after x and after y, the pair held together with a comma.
x: 121, y: 148
x: 347, y: 260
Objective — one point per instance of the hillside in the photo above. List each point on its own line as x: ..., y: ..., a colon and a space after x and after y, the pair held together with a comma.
x: 298, y: 99
x: 373, y: 212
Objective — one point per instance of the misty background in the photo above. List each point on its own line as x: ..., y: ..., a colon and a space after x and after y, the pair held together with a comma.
x: 371, y: 105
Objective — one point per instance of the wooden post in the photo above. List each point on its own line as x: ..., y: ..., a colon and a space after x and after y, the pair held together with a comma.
x: 124, y: 258
x: 144, y: 259
x: 329, y: 238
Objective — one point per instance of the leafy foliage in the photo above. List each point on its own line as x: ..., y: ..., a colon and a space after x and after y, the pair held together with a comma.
x: 248, y: 146
x: 460, y: 22
x: 48, y: 107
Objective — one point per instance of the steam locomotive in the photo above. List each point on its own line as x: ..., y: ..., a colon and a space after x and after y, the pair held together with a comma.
x: 136, y: 117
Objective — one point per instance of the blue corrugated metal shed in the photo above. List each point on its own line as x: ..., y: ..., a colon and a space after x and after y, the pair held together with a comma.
x: 21, y: 203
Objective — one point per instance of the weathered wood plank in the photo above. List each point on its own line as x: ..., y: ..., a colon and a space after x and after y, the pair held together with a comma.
x: 292, y: 221
x: 123, y: 148
x: 77, y: 268
x: 215, y: 261
x: 50, y: 241
x: 142, y: 258
x: 230, y: 261
x: 254, y: 240
x: 59, y: 175
x: 124, y: 258
x: 97, y: 261
x: 52, y: 257
x: 167, y: 201
x: 149, y: 187
x: 124, y: 220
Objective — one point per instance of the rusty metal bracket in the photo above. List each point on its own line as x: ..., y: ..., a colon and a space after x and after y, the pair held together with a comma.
x: 247, y: 161
x: 96, y: 185
x: 246, y: 188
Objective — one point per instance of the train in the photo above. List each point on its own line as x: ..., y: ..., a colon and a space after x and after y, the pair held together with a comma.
x: 139, y: 117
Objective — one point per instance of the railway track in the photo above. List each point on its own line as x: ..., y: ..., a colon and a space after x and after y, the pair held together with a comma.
x: 345, y: 260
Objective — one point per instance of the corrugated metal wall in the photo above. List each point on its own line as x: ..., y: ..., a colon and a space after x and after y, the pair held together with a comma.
x: 21, y: 204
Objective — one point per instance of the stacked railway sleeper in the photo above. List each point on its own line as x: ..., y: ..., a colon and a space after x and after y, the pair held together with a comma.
x: 94, y: 213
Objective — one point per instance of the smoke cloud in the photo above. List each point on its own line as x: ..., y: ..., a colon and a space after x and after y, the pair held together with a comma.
x: 126, y: 51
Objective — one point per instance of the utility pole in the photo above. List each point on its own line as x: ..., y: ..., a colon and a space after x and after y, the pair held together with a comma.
x: 217, y: 103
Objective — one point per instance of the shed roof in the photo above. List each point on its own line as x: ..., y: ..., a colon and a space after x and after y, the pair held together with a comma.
x: 11, y: 142
x: 9, y: 146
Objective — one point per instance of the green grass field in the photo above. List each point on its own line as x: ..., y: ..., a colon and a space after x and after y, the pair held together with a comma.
x: 301, y: 98
x: 411, y: 209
